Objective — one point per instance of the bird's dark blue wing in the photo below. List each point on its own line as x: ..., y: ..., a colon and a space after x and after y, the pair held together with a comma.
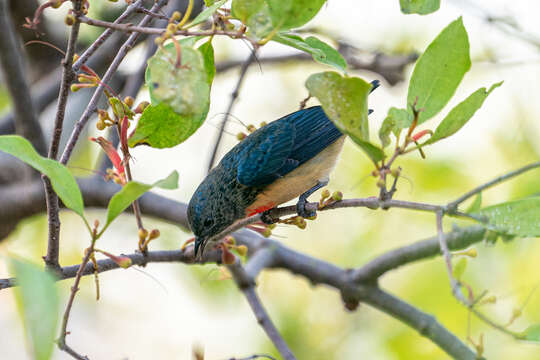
x: 315, y: 131
x: 283, y: 145
x: 266, y: 151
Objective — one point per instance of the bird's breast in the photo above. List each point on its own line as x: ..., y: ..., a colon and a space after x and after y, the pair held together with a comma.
x: 299, y: 180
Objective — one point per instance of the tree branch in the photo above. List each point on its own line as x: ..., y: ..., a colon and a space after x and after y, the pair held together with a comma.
x: 13, y: 68
x: 53, y: 245
x: 247, y: 286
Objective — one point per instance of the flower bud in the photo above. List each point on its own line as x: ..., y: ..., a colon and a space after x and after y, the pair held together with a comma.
x: 176, y: 16
x: 123, y: 261
x: 242, y: 250
x: 143, y: 233
x: 140, y: 108
x: 263, y: 123
x: 128, y: 100
x: 266, y: 232
x: 158, y: 41
x: 171, y: 28
x: 251, y: 128
x: 325, y: 194
x: 241, y: 136
x: 154, y: 234
x: 100, y: 125
x: 337, y: 196
x: 56, y: 4
x: 69, y: 20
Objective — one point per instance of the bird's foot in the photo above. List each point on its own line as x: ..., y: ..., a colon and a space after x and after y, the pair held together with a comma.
x: 303, y: 211
x: 267, y: 218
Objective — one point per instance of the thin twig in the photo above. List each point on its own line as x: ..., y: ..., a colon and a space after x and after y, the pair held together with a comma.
x: 142, y: 29
x: 53, y: 245
x: 454, y: 204
x: 248, y: 288
x: 63, y: 330
x: 456, y: 287
x: 234, y: 96
x: 105, y: 35
x: 92, y: 105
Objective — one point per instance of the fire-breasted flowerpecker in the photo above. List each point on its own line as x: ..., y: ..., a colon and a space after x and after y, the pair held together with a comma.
x: 288, y: 158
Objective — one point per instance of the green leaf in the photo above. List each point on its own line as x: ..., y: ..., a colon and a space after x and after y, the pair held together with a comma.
x: 161, y: 127
x: 519, y: 217
x: 180, y: 95
x: 289, y: 14
x: 476, y: 204
x: 532, y: 333
x: 320, y: 51
x: 183, y: 86
x: 395, y: 121
x: 132, y: 191
x: 459, y: 268
x: 421, y: 7
x: 206, y: 13
x: 38, y: 304
x: 344, y: 100
x: 207, y: 51
x: 460, y: 114
x: 62, y: 181
x: 264, y: 16
x: 439, y: 71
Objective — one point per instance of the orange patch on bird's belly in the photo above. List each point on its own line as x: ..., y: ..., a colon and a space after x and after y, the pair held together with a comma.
x: 250, y: 211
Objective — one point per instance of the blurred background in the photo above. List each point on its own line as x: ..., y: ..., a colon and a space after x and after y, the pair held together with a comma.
x: 165, y: 310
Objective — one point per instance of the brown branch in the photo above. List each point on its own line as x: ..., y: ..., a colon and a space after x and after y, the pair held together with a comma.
x: 247, y: 286
x: 457, y: 239
x: 53, y: 245
x: 92, y: 105
x: 13, y: 68
x: 234, y: 96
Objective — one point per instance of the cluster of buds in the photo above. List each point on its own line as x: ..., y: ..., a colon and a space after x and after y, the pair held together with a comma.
x: 145, y: 237
x: 251, y: 129
x: 328, y: 199
x: 298, y: 221
x: 176, y: 22
x: 87, y: 79
x: 229, y: 244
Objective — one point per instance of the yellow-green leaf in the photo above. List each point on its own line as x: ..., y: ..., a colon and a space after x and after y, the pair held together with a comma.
x: 132, y: 191
x: 62, y: 181
x: 38, y: 304
x: 439, y: 71
x: 344, y: 100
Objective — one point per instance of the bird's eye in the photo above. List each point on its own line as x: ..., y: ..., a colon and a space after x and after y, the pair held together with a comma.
x: 208, y: 222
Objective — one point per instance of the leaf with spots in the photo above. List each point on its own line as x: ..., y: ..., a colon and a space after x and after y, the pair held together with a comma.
x: 420, y: 7
x: 518, y: 217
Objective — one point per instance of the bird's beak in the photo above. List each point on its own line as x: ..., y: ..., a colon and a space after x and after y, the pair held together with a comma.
x: 198, y: 243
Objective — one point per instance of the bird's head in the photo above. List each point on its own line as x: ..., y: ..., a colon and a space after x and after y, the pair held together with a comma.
x: 207, y: 215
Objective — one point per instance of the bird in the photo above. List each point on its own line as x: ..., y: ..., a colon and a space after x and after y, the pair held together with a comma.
x: 288, y: 158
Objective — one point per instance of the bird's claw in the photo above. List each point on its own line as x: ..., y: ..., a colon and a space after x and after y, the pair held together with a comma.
x: 267, y: 218
x: 302, y: 211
